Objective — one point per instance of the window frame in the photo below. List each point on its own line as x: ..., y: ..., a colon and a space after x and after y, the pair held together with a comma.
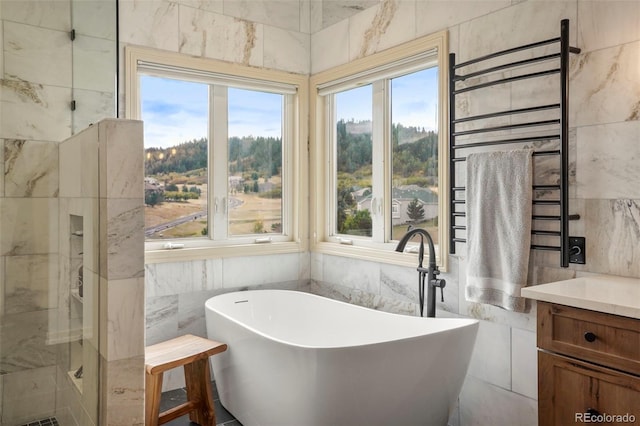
x: 322, y: 184
x: 295, y: 158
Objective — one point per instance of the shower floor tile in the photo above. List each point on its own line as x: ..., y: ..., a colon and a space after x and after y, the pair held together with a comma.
x: 178, y: 396
x: 51, y: 421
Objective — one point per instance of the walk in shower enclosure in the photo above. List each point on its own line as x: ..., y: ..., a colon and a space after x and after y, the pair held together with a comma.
x: 58, y: 68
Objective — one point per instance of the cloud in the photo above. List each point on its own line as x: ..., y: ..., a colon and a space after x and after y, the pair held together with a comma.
x: 177, y: 111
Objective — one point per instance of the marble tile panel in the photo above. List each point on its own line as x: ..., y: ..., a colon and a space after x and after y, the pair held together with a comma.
x: 31, y: 282
x: 28, y: 50
x: 161, y: 319
x: 32, y: 233
x: 389, y: 24
x: 503, y: 28
x: 352, y: 273
x: 286, y: 50
x: 122, y: 244
x: 22, y: 389
x: 331, y: 290
x: 2, y: 143
x: 2, y: 286
x: 524, y: 363
x: 605, y: 87
x: 362, y: 298
x: 612, y: 232
x: 317, y: 260
x: 91, y: 107
x: 150, y: 23
x: 545, y: 274
x: 24, y: 342
x: 259, y: 270
x: 607, y: 161
x: 280, y: 13
x: 33, y: 111
x: 70, y: 172
x: 30, y: 168
x: 400, y: 284
x: 315, y: 11
x: 305, y: 17
x: 333, y: 11
x: 164, y: 279
x: 216, y: 6
x: 96, y: 18
x: 94, y: 62
x: 304, y: 267
x: 191, y: 312
x: 387, y: 304
x: 1, y: 58
x: 122, y: 384
x: 437, y: 15
x: 451, y: 290
x: 124, y: 337
x: 121, y: 162
x: 484, y: 404
x: 52, y: 14
x: 328, y: 47
x: 90, y: 386
x: 490, y: 360
x: 604, y: 24
x: 201, y: 32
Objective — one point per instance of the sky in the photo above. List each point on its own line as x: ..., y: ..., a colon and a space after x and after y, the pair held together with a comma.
x: 177, y: 111
x: 414, y: 101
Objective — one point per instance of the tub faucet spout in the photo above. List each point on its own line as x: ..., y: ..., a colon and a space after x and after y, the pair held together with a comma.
x: 428, y: 274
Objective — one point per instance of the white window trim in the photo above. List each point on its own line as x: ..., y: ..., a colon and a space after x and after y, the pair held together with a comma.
x: 320, y: 166
x: 298, y: 192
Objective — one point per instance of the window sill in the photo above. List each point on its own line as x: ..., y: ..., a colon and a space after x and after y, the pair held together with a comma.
x: 373, y: 255
x: 200, y: 253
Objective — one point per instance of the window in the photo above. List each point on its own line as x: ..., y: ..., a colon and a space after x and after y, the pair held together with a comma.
x: 223, y: 155
x: 379, y: 140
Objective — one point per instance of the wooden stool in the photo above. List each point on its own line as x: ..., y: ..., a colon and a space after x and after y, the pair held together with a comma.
x: 193, y: 353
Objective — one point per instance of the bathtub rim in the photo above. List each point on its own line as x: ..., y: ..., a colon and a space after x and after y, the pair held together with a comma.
x: 458, y: 322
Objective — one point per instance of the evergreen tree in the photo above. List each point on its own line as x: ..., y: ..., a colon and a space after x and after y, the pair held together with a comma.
x: 415, y: 210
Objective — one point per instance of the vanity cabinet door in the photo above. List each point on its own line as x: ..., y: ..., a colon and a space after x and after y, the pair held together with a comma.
x: 603, y: 339
x: 573, y: 392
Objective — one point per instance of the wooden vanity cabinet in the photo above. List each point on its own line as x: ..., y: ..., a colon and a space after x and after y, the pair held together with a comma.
x: 588, y: 365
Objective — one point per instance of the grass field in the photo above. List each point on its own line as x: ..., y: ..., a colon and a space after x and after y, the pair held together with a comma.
x: 245, y: 212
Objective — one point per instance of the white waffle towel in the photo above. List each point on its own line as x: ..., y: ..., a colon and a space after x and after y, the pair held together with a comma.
x: 498, y: 210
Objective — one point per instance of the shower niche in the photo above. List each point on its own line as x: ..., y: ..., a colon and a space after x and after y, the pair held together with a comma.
x: 76, y: 300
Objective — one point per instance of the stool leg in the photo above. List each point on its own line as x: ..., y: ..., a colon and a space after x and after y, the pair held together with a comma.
x: 153, y: 393
x: 197, y: 378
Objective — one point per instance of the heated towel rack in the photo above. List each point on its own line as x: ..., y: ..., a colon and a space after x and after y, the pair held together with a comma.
x: 478, y: 76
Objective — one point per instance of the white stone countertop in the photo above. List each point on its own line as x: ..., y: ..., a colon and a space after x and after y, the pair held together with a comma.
x: 603, y: 293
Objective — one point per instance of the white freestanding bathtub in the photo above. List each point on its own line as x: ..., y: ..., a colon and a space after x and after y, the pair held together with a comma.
x: 296, y: 359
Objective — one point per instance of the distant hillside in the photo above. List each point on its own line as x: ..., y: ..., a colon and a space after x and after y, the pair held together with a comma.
x: 403, y: 134
x: 262, y: 156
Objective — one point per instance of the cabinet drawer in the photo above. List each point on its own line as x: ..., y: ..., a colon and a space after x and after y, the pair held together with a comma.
x: 572, y: 390
x: 604, y: 339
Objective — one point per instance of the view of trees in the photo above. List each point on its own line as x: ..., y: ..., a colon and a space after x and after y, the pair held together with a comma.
x: 178, y: 175
x: 415, y: 154
x: 179, y: 159
x: 259, y: 156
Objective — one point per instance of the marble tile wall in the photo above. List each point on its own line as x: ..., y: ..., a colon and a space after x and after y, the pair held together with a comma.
x: 271, y: 34
x: 604, y: 116
x: 36, y: 68
x: 605, y: 130
x: 175, y: 292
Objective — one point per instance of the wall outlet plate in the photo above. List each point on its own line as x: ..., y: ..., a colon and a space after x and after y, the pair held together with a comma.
x: 577, y: 250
